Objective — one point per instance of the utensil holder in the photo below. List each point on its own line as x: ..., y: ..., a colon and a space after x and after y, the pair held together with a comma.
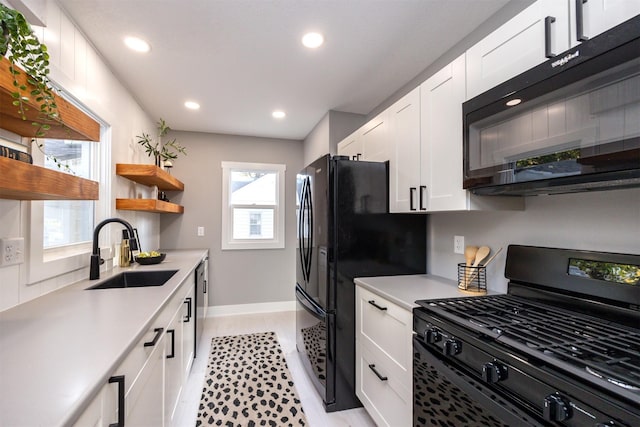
x: 472, y: 279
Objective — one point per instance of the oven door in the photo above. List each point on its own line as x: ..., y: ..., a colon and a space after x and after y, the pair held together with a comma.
x: 445, y: 395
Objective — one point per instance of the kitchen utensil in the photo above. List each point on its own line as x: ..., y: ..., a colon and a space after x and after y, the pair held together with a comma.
x: 469, y: 256
x: 475, y: 273
x: 481, y: 254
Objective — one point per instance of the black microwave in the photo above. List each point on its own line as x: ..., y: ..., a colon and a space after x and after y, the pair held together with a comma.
x: 570, y: 124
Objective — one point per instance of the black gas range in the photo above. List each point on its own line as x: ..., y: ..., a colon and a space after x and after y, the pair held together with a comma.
x: 561, y: 348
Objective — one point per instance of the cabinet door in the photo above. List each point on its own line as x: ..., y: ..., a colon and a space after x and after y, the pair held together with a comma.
x: 351, y: 146
x: 144, y: 401
x: 188, y: 336
x: 404, y: 167
x: 173, y: 380
x: 592, y: 17
x: 518, y: 45
x: 375, y: 139
x: 441, y: 102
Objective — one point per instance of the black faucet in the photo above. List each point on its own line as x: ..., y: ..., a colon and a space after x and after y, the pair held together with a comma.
x: 94, y: 272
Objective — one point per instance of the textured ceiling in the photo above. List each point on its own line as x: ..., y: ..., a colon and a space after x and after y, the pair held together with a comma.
x: 241, y: 59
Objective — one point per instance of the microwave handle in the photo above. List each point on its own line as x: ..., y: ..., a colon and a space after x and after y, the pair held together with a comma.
x: 547, y: 36
x: 580, y: 21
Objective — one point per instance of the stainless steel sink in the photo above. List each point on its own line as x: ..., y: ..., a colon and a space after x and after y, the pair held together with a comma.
x: 136, y: 279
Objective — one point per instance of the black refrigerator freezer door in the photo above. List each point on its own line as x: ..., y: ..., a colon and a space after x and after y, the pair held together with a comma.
x: 313, y: 342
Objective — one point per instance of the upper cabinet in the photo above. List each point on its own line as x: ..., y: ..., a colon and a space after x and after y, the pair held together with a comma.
x: 375, y: 136
x: 149, y: 175
x: 592, y: 17
x: 74, y: 123
x: 539, y: 32
x: 406, y: 187
x: 351, y: 146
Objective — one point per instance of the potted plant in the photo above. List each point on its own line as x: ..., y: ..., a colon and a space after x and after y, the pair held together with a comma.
x: 163, y: 152
x: 20, y: 46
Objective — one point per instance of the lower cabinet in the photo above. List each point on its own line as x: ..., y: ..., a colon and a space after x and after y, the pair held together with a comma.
x: 145, y: 389
x: 384, y: 364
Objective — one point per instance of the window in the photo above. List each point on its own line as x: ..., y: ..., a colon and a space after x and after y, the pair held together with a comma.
x: 68, y: 222
x: 253, y: 205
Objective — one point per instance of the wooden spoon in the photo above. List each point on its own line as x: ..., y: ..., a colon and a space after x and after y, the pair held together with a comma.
x: 481, y: 254
x: 469, y: 256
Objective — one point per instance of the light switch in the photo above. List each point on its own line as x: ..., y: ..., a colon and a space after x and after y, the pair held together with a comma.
x: 200, y: 231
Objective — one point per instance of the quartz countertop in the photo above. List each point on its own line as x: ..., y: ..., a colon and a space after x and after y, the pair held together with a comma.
x: 58, y: 350
x: 405, y: 290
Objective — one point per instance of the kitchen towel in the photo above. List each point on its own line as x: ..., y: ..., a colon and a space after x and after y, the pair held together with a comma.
x: 248, y: 383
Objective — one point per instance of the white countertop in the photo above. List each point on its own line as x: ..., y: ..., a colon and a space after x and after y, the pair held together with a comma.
x: 405, y: 290
x: 58, y: 350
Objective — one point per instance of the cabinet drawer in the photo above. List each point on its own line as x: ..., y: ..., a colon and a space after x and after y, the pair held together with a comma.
x: 385, y: 325
x: 386, y: 396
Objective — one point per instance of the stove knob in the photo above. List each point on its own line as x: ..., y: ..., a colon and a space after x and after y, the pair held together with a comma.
x: 492, y: 372
x: 555, y: 408
x: 433, y: 336
x: 452, y: 347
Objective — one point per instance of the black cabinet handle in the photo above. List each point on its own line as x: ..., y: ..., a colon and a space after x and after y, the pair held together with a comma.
x: 411, y: 191
x: 423, y: 188
x: 205, y: 286
x: 120, y: 380
x: 580, y: 21
x: 547, y: 36
x: 380, y: 377
x: 373, y: 303
x: 188, y: 302
x: 173, y: 343
x: 152, y: 343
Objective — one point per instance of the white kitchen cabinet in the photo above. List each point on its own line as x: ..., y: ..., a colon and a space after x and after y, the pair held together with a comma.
x: 406, y: 189
x: 102, y: 411
x: 597, y: 16
x: 384, y: 369
x: 375, y: 139
x: 351, y: 146
x: 173, y: 365
x: 144, y: 400
x: 518, y: 45
x: 189, y: 331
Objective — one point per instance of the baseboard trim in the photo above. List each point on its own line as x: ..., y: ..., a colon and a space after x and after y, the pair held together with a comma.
x: 236, y: 309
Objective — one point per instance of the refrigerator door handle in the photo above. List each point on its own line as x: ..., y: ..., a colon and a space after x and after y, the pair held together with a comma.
x: 301, y: 244
x: 309, y: 305
x: 308, y: 209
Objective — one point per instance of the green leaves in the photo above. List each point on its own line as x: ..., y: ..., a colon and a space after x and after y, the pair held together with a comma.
x: 166, y: 151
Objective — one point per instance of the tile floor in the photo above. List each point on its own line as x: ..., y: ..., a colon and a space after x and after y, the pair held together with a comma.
x: 283, y: 324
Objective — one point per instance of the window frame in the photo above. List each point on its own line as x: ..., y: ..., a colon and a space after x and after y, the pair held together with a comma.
x: 228, y: 241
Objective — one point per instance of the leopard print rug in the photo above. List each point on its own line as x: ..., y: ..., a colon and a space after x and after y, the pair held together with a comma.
x: 249, y: 384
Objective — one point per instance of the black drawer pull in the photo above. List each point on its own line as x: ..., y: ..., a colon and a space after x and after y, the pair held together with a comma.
x: 423, y: 188
x: 373, y: 303
x: 173, y: 343
x: 380, y: 377
x: 580, y: 21
x: 548, y: 52
x: 411, y: 191
x: 120, y: 380
x: 188, y: 302
x: 158, y: 332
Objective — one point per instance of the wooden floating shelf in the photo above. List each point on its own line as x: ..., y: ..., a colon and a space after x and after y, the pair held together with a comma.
x: 149, y: 175
x: 24, y: 181
x: 73, y: 123
x: 148, y: 205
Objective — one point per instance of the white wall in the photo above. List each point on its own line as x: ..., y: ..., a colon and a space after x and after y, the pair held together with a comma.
x: 236, y: 276
x: 78, y: 68
x: 606, y: 221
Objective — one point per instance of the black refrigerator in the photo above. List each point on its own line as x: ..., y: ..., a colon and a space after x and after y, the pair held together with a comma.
x: 345, y: 231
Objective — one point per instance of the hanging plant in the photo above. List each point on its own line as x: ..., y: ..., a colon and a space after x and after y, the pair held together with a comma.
x: 21, y: 47
x: 161, y: 151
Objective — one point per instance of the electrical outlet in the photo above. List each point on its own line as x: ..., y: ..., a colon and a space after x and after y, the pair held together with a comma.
x: 11, y: 251
x: 458, y: 244
x: 200, y: 231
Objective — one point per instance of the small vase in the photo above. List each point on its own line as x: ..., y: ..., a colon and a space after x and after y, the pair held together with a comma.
x: 158, y: 160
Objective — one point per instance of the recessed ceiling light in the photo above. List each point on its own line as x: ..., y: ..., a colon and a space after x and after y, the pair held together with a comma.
x: 312, y: 40
x: 513, y: 102
x: 192, y: 105
x: 137, y: 44
x: 278, y: 114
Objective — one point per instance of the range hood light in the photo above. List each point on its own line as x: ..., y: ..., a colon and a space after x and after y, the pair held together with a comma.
x: 513, y: 102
